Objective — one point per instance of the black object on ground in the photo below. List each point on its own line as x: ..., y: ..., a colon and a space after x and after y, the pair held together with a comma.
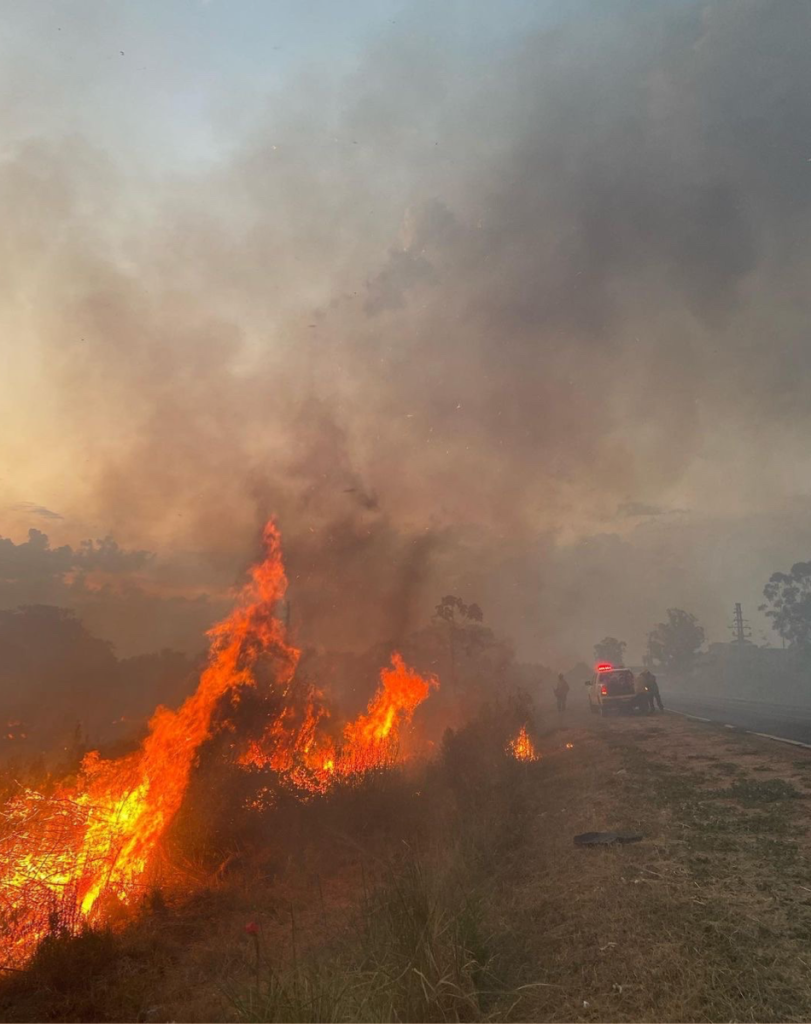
x: 607, y: 838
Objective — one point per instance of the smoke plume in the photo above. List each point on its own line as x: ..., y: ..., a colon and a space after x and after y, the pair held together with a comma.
x: 467, y: 318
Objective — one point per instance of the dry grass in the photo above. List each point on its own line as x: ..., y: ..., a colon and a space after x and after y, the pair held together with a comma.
x: 371, y: 906
x: 457, y: 894
x: 705, y: 920
x: 412, y: 954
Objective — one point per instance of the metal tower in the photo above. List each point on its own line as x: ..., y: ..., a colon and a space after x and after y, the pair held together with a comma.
x: 740, y: 627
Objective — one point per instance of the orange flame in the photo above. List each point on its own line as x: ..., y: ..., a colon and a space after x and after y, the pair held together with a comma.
x: 76, y: 853
x: 309, y: 758
x: 372, y: 740
x: 522, y: 748
x: 94, y: 842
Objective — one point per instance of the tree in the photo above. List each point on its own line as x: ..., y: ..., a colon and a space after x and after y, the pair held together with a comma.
x: 673, y: 645
x: 454, y: 609
x: 611, y: 650
x: 460, y: 617
x: 788, y: 604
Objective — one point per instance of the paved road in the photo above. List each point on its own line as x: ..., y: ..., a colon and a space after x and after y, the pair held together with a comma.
x: 783, y: 720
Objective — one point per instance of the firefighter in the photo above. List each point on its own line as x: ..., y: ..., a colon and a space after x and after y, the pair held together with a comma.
x: 561, y: 692
x: 642, y: 697
x: 652, y: 689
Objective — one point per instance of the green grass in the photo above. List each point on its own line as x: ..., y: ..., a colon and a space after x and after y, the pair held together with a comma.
x: 417, y: 951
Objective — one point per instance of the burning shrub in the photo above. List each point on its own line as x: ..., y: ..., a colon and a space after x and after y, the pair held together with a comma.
x: 99, y: 838
x: 296, y: 747
x: 521, y: 746
x: 91, y: 847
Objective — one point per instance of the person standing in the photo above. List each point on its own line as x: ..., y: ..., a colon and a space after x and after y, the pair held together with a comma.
x: 648, y: 680
x: 653, y: 691
x: 561, y: 692
x: 641, y: 694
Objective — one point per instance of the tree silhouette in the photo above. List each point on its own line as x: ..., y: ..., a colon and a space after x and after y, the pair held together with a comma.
x: 788, y: 604
x: 611, y: 650
x: 463, y: 626
x: 673, y: 645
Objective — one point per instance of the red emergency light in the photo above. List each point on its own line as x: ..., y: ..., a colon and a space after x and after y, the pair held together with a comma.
x: 604, y: 690
x: 604, y: 666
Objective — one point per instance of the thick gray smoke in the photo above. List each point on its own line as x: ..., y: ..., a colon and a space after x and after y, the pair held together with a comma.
x: 525, y: 322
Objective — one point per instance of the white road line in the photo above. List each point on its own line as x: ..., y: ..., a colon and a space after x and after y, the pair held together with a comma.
x: 684, y: 714
x: 763, y: 735
x: 782, y: 739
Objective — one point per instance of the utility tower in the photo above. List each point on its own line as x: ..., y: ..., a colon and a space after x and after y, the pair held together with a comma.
x: 740, y: 627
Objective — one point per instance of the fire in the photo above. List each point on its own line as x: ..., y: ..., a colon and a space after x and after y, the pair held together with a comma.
x: 372, y: 740
x: 66, y: 855
x: 87, y: 847
x: 293, y: 746
x: 312, y: 761
x: 522, y: 748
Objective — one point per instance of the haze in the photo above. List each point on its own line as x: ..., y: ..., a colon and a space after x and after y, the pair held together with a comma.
x: 504, y: 300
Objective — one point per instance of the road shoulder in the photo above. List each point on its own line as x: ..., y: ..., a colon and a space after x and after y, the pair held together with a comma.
x: 709, y: 917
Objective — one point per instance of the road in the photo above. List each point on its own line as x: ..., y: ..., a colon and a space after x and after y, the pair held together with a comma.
x: 781, y: 720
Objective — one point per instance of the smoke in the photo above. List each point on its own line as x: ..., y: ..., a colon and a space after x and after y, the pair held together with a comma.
x: 458, y: 317
x: 33, y: 509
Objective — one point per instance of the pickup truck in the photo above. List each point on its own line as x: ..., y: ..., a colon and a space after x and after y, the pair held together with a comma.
x: 612, y: 689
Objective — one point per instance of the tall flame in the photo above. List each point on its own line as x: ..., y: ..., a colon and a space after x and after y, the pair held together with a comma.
x: 372, y: 739
x: 74, y: 854
x: 64, y: 854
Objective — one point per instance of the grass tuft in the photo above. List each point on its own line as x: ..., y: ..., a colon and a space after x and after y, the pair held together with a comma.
x: 751, y: 792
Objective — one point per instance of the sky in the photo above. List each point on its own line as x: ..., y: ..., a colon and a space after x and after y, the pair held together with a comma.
x: 505, y: 300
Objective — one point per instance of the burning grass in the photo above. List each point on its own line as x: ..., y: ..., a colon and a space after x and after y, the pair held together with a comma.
x: 88, y: 849
x: 306, y: 757
x: 372, y: 901
x: 451, y: 891
x: 521, y: 746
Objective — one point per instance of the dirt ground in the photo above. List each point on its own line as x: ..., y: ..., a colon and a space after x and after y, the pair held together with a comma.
x: 709, y: 917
